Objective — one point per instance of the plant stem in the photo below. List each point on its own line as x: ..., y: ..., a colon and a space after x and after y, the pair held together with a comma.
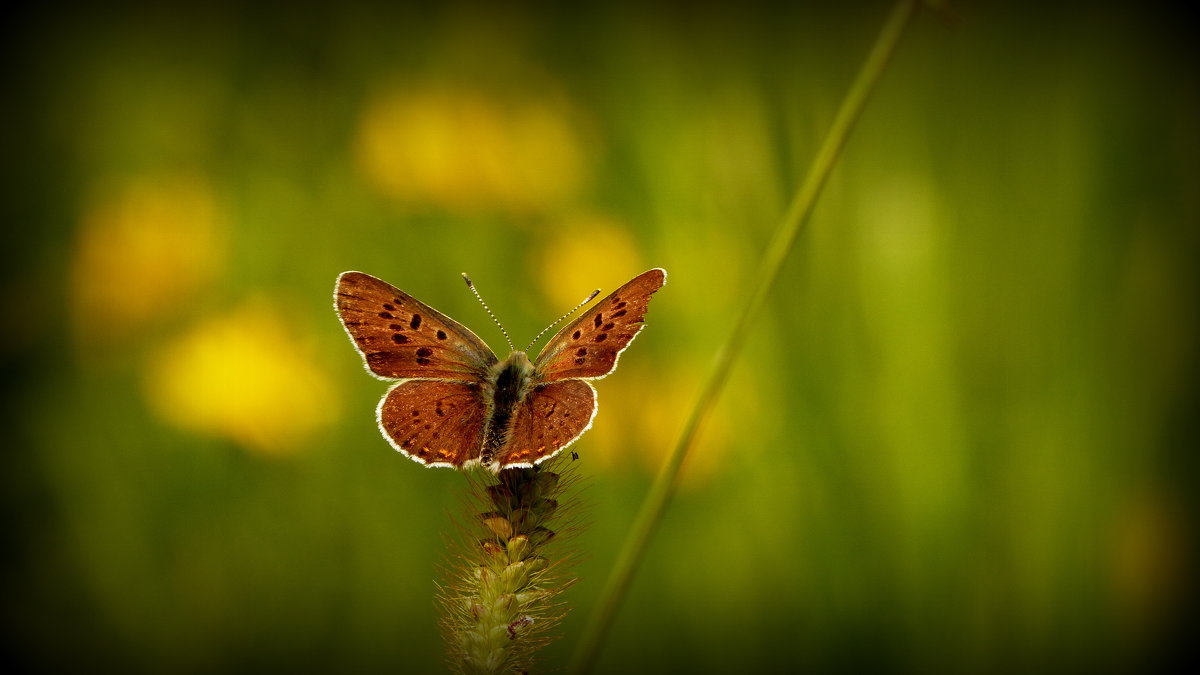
x: 498, y: 606
x: 781, y: 244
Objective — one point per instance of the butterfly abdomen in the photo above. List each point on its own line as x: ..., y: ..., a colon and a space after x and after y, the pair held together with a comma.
x: 509, y: 380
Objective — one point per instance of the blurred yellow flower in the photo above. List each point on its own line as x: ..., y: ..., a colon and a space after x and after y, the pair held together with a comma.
x: 461, y: 149
x: 642, y: 410
x: 583, y: 253
x: 245, y: 376
x: 144, y: 247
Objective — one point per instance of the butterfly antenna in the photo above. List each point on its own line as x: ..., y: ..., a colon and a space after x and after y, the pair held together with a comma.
x: 564, y: 316
x: 487, y: 309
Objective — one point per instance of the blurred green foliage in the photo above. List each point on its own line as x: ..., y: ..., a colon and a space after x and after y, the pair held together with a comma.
x: 960, y: 439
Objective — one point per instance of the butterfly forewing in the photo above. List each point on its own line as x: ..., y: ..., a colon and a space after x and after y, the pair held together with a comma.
x: 589, y: 346
x: 402, y: 337
x: 435, y: 422
x: 550, y: 419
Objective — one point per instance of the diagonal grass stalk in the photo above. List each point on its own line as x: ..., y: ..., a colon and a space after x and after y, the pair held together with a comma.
x: 781, y: 244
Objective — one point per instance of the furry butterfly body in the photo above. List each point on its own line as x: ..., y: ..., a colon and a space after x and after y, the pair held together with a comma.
x: 455, y: 403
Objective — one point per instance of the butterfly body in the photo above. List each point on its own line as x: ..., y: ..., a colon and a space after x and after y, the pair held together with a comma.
x: 505, y: 392
x: 455, y: 403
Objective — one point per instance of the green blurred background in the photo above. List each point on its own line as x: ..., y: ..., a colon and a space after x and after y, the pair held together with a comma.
x: 959, y: 439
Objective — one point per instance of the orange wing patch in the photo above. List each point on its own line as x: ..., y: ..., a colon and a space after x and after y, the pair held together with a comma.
x: 589, y: 346
x: 401, y: 337
x: 434, y: 422
x: 550, y: 419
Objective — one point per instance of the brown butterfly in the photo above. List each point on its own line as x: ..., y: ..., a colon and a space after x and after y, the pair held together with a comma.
x: 456, y: 403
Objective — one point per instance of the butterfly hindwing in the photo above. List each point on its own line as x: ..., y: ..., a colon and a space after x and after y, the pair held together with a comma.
x: 549, y: 419
x: 589, y: 346
x: 402, y: 337
x: 435, y: 422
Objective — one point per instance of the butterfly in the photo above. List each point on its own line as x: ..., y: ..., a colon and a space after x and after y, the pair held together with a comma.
x: 455, y: 403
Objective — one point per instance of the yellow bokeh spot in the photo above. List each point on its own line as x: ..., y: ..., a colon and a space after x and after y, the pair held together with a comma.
x: 643, y: 407
x: 244, y: 376
x: 144, y: 247
x: 584, y: 253
x: 462, y: 149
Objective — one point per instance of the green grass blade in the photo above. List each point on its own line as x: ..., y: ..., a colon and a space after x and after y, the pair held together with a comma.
x: 781, y: 244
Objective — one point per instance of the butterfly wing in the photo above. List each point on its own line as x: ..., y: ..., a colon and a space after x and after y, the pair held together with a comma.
x: 552, y: 417
x: 589, y: 346
x: 402, y: 337
x: 434, y: 422
x: 561, y: 405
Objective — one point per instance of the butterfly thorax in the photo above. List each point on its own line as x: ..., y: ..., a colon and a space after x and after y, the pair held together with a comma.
x: 507, y: 385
